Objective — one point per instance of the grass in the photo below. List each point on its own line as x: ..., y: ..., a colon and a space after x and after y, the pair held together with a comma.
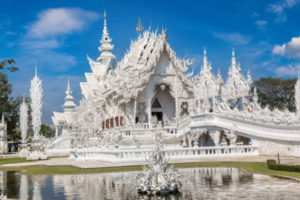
x: 4, y: 161
x: 254, y: 167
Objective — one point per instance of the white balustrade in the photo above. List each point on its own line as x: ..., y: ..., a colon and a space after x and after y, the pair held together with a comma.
x: 134, y: 155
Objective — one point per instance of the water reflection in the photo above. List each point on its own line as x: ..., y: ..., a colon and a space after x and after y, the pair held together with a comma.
x: 198, y: 183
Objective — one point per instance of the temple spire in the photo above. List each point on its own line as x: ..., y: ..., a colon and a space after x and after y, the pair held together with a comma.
x: 139, y: 27
x: 205, y: 61
x: 233, y: 60
x: 106, y: 46
x: 69, y: 105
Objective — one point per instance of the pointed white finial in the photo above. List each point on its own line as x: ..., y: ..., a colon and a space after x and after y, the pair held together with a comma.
x: 105, y: 25
x: 205, y: 61
x: 233, y: 60
x: 139, y: 27
x: 164, y: 33
x: 68, y: 92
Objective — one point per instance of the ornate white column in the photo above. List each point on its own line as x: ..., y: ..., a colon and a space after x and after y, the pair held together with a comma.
x: 23, y: 120
x: 36, y: 113
x: 36, y: 93
x: 24, y: 128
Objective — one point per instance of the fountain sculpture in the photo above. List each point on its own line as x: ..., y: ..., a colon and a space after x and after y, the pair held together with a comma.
x: 157, y: 178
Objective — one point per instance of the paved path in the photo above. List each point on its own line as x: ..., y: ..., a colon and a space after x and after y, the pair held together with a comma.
x: 102, y: 164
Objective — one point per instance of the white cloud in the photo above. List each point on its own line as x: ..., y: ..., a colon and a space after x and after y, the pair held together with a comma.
x: 233, y: 38
x: 290, y: 49
x: 280, y: 7
x: 288, y: 70
x: 261, y: 24
x: 41, y: 44
x: 60, y: 21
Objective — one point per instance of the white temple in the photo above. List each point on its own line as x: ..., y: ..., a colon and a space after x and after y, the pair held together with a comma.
x: 124, y: 103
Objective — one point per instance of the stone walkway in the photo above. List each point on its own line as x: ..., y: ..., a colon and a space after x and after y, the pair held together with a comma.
x: 101, y: 164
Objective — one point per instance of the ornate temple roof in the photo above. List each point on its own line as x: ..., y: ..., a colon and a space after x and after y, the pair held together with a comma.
x: 206, y: 84
x: 140, y: 62
x: 237, y: 85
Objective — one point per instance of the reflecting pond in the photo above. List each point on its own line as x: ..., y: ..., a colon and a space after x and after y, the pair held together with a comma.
x: 198, y: 183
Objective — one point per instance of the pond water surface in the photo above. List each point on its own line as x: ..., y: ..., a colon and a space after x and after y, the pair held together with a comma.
x: 198, y: 183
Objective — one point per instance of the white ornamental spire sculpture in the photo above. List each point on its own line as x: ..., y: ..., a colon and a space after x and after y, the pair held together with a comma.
x: 23, y: 120
x: 69, y: 105
x: 36, y: 104
x: 106, y: 46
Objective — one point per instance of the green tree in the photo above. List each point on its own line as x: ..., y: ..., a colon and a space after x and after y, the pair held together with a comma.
x: 45, y: 131
x: 276, y: 92
x: 8, y: 105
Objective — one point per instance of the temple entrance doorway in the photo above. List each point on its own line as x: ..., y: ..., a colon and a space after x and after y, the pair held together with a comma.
x: 159, y: 115
x: 163, y: 104
x: 157, y: 110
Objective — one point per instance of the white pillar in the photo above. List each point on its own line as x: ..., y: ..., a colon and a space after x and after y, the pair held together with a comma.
x: 56, y: 131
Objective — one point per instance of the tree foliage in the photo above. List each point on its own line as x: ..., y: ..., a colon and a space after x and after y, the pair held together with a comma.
x: 45, y: 131
x: 8, y: 105
x: 276, y: 93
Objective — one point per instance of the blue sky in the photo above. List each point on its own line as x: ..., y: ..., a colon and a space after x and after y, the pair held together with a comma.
x: 58, y: 35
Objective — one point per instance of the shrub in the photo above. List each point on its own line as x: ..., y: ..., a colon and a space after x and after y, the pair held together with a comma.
x: 290, y: 168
